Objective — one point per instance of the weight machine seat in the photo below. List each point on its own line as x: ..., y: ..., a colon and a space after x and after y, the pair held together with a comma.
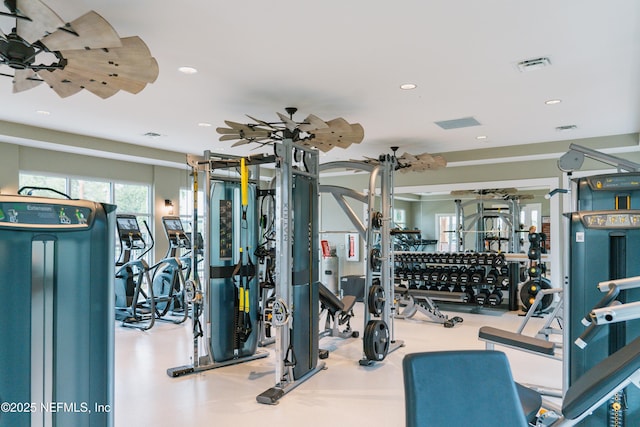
x: 463, y: 388
x: 601, y: 379
x: 512, y: 339
x: 333, y: 303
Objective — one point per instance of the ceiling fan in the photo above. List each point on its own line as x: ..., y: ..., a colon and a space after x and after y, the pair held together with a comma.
x: 494, y: 194
x: 311, y: 132
x: 86, y: 53
x: 420, y: 162
x: 415, y: 162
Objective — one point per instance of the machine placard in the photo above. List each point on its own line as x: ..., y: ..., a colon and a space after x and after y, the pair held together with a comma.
x: 226, y: 229
x: 622, y: 181
x: 29, y: 213
x: 610, y: 219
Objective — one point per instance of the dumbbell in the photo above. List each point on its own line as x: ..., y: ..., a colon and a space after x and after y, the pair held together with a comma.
x: 503, y: 278
x: 469, y: 296
x: 492, y: 276
x: 463, y: 277
x: 495, y: 298
x: 499, y: 260
x: 490, y: 259
x: 477, y: 276
x: 453, y: 277
x: 482, y: 297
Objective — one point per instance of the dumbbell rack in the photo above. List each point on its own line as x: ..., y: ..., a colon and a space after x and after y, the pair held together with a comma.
x: 470, y: 278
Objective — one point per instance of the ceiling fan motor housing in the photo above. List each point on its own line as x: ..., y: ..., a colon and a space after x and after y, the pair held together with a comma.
x: 16, y: 52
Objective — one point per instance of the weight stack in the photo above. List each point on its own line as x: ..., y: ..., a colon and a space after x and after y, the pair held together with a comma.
x: 57, y: 339
x: 605, y: 245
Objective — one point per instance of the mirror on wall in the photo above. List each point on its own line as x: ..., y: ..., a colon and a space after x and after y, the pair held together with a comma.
x: 481, y: 220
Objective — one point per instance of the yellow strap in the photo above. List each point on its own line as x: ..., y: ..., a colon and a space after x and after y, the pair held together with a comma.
x: 244, y: 182
x: 241, y: 299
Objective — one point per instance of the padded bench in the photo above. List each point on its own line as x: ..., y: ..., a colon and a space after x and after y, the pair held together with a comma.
x: 333, y: 303
x: 514, y: 340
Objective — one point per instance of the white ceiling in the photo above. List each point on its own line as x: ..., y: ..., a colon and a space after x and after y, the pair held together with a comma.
x: 347, y: 58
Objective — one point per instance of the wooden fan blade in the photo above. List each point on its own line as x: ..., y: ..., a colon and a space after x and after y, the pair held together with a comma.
x: 24, y: 80
x: 131, y: 61
x: 324, y: 146
x: 229, y: 137
x: 56, y: 80
x: 289, y: 124
x: 247, y: 131
x: 114, y: 81
x: 235, y: 125
x: 440, y: 161
x: 335, y: 125
x: 43, y: 20
x: 354, y: 135
x: 93, y: 32
x: 97, y: 87
x: 226, y: 131
x: 312, y: 123
x: 241, y: 142
x: 260, y: 122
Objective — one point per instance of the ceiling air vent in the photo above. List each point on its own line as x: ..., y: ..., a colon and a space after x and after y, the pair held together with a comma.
x: 533, y: 64
x: 464, y: 122
x: 566, y: 128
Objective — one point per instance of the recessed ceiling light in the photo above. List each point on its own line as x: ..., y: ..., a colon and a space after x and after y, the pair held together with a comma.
x: 187, y: 70
x: 481, y: 137
x: 408, y: 86
x: 43, y: 112
x: 553, y: 101
x: 204, y: 125
x: 566, y: 128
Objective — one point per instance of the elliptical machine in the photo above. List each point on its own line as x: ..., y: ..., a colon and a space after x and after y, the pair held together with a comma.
x: 169, y: 273
x: 133, y: 306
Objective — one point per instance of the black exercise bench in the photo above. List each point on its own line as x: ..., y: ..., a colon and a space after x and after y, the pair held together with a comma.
x: 339, y: 312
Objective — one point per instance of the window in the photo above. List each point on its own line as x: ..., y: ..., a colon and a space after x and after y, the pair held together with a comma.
x: 399, y: 218
x: 186, y: 209
x: 446, y: 232
x: 54, y: 182
x: 130, y: 198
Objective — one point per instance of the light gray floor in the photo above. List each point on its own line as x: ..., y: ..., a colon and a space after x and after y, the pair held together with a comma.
x: 343, y: 394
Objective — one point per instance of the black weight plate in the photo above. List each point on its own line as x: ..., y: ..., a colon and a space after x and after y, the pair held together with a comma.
x: 374, y: 259
x: 376, y: 340
x: 530, y: 289
x: 375, y: 300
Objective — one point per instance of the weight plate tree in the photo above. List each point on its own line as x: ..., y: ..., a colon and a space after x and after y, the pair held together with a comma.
x: 605, y: 245
x: 375, y: 230
x: 58, y: 323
